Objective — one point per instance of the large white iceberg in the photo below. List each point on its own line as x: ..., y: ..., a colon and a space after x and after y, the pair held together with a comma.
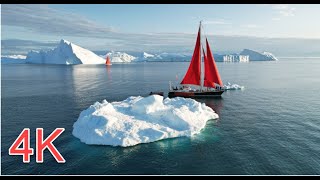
x: 65, y: 53
x: 141, y: 120
x: 257, y: 56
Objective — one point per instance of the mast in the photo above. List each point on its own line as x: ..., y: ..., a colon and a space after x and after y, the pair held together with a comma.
x: 205, y: 59
x: 201, y: 87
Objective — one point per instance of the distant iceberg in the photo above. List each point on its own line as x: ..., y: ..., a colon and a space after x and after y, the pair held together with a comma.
x: 164, y: 57
x: 119, y: 57
x: 124, y: 57
x: 65, y: 53
x: 150, y: 57
x: 69, y: 53
x: 256, y: 56
x: 141, y: 120
x: 147, y: 55
x: 246, y: 55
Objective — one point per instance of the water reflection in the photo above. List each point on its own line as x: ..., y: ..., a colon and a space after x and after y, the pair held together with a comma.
x: 108, y: 68
x: 119, y: 155
x: 165, y: 144
x: 214, y: 103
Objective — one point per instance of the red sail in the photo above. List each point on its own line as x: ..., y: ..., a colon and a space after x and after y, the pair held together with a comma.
x: 193, y: 74
x: 206, y: 82
x: 211, y: 73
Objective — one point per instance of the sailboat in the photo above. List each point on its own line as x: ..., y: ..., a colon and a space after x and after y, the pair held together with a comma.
x: 108, y: 62
x: 211, y: 85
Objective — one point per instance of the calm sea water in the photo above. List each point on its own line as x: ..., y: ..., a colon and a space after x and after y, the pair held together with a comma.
x: 270, y: 127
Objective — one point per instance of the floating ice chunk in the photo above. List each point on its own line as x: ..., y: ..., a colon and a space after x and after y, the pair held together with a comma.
x: 230, y: 86
x: 141, y: 120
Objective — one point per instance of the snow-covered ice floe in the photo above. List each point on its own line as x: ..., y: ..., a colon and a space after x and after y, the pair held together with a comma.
x: 141, y: 120
x: 230, y: 86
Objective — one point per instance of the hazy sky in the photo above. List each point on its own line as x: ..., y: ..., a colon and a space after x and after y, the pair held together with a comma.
x: 129, y: 25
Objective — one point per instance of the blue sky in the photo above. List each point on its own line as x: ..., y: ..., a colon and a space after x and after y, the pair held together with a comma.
x: 126, y: 26
x: 239, y: 19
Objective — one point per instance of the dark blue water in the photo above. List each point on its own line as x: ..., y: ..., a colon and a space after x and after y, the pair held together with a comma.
x: 270, y: 127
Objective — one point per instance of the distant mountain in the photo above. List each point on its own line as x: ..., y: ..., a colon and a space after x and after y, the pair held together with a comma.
x: 65, y: 53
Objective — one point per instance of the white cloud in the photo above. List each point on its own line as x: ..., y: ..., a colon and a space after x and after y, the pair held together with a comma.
x: 42, y: 19
x: 217, y: 22
x: 280, y: 6
x: 284, y: 9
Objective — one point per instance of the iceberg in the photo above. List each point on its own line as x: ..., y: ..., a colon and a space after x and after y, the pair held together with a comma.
x: 256, y: 56
x: 147, y: 55
x: 119, y: 57
x: 245, y: 56
x: 65, y: 53
x: 141, y: 120
x: 164, y: 57
x: 123, y: 57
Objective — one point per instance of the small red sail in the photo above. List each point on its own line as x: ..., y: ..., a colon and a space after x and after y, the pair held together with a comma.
x: 211, y: 73
x: 193, y: 74
x: 108, y: 62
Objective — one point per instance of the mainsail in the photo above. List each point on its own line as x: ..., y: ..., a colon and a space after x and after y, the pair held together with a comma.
x: 194, y: 71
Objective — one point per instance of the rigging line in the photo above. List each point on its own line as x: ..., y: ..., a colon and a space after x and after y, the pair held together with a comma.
x: 202, y: 56
x: 204, y: 33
